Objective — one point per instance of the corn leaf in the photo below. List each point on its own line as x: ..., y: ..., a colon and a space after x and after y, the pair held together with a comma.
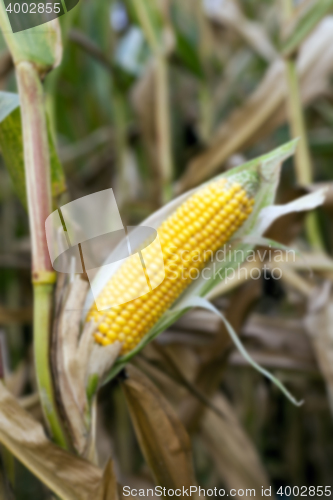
x: 11, y: 144
x: 203, y: 303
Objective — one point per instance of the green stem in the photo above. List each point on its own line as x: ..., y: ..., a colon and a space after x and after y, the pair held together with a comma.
x: 38, y: 185
x: 303, y: 160
x: 298, y: 127
x: 43, y: 294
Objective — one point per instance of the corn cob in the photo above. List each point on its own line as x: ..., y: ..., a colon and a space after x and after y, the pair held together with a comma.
x: 189, y: 238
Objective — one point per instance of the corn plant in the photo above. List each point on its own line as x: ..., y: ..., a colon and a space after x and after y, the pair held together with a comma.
x: 87, y: 344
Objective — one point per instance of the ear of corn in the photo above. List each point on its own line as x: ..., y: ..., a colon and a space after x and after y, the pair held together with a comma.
x: 189, y: 238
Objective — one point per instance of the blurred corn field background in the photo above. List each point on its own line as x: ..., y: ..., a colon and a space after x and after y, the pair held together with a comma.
x: 153, y: 98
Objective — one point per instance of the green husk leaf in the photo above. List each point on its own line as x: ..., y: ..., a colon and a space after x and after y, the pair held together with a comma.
x: 11, y: 144
x: 203, y: 303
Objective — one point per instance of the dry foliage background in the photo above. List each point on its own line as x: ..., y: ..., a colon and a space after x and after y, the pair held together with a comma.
x: 152, y: 107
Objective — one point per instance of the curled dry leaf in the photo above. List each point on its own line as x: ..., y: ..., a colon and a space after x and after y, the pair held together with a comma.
x: 71, y: 389
x: 264, y: 111
x: 78, y: 362
x: 68, y: 476
x: 108, y: 488
x: 234, y: 455
x: 162, y: 437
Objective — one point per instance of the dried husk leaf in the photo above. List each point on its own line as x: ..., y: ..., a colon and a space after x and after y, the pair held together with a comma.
x: 71, y: 389
x: 79, y: 362
x: 162, y: 437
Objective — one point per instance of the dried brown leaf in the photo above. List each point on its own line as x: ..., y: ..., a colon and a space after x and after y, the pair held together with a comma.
x: 71, y: 388
x: 108, y: 489
x: 162, y: 437
x: 76, y: 359
x: 68, y: 476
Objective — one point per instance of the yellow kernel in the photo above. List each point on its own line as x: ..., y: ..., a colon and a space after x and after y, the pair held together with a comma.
x: 103, y: 327
x: 105, y: 341
x: 111, y: 336
x: 120, y: 320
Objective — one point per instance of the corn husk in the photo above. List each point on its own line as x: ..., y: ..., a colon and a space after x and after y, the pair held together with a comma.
x: 265, y: 170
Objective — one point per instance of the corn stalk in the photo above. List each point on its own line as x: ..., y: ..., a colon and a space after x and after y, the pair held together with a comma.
x: 37, y: 172
x: 34, y: 53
